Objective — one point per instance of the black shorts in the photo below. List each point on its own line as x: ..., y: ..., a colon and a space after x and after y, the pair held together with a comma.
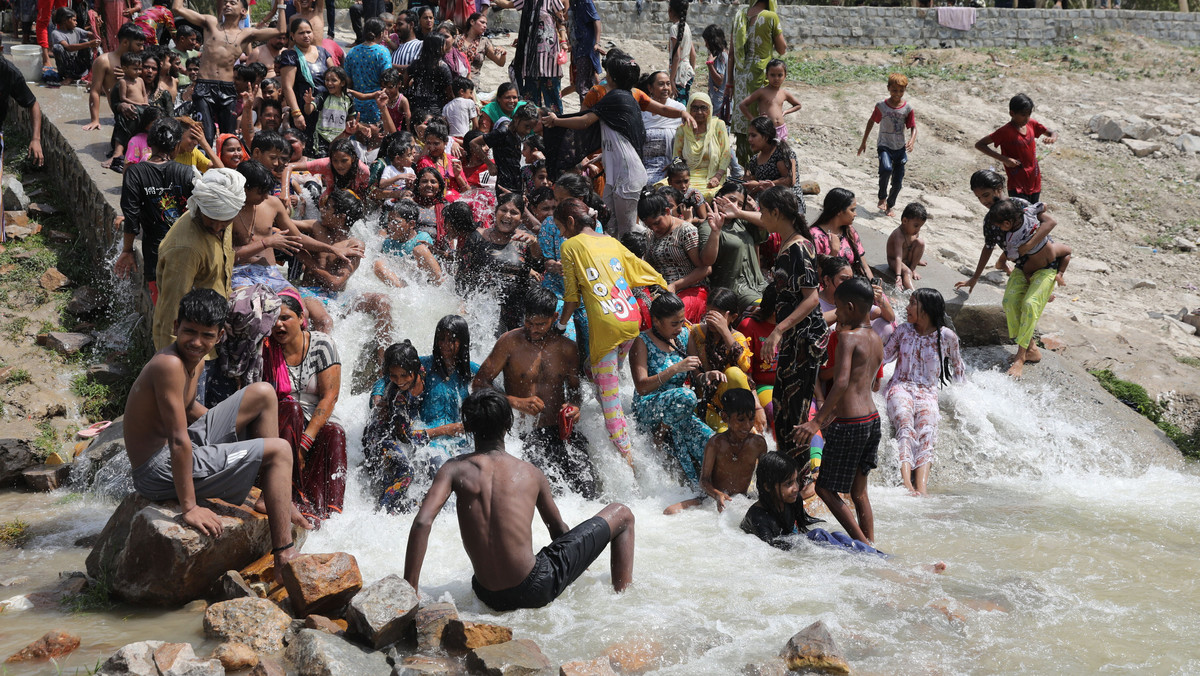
x: 850, y: 447
x: 563, y: 462
x: 558, y: 565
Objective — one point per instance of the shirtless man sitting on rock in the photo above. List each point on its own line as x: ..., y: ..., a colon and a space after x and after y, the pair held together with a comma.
x: 496, y: 496
x: 541, y: 379
x: 180, y: 450
x: 214, y: 95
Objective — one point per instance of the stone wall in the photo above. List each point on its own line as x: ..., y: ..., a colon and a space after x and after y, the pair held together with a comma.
x: 827, y: 26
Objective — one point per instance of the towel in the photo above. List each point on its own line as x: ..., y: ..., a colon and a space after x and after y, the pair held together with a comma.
x: 958, y: 18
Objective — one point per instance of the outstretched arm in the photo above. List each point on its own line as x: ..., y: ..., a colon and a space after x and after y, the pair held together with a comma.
x: 418, y: 535
x: 206, y: 21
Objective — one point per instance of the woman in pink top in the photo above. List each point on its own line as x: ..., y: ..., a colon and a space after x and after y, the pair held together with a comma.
x: 927, y: 356
x: 342, y: 170
x: 833, y: 233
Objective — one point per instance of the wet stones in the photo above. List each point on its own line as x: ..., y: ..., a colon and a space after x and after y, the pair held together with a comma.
x: 431, y: 623
x: 384, y: 610
x: 156, y: 658
x: 597, y: 667
x: 45, y: 478
x: 66, y: 342
x: 16, y: 455
x: 814, y: 648
x: 322, y: 623
x: 463, y: 636
x: 513, y: 658
x: 257, y: 623
x: 235, y: 656
x: 318, y: 583
x: 52, y: 644
x: 316, y: 653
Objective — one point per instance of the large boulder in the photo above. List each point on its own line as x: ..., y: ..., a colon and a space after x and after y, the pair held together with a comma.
x: 813, y: 648
x: 522, y: 657
x: 256, y: 622
x: 320, y: 583
x: 103, y: 467
x: 597, y: 667
x: 235, y: 656
x: 316, y: 653
x: 431, y: 623
x: 383, y: 611
x: 158, y: 658
x: 151, y: 557
x: 16, y: 456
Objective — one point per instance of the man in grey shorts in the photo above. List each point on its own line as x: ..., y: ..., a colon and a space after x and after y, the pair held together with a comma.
x: 181, y: 451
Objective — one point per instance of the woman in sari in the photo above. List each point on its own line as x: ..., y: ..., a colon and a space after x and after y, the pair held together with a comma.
x: 705, y: 148
x: 756, y: 30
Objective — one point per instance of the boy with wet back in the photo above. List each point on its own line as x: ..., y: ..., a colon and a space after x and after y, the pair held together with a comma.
x: 849, y: 413
x: 730, y: 456
x: 496, y: 495
x: 179, y: 450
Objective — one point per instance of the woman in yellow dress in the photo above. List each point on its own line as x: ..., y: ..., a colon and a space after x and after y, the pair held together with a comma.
x: 706, y: 148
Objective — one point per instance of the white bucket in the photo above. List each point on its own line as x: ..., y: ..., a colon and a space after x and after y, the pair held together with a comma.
x: 28, y: 59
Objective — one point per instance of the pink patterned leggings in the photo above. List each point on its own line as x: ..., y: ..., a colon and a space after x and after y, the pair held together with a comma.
x: 605, y: 375
x: 913, y: 410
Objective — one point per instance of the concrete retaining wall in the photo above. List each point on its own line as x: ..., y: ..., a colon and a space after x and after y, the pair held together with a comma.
x: 827, y: 26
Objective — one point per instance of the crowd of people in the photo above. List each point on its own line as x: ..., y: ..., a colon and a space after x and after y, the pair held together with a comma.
x: 661, y: 226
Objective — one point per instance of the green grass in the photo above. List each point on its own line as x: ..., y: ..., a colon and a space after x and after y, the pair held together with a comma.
x: 47, y: 440
x: 1190, y: 361
x: 95, y: 597
x: 97, y: 400
x: 830, y: 71
x: 18, y: 377
x: 1136, y: 397
x: 14, y: 533
x: 16, y: 328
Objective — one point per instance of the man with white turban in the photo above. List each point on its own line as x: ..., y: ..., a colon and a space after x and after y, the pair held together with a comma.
x: 197, y: 252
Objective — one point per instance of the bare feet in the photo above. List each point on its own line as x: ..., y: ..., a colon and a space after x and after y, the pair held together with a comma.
x: 922, y: 263
x: 883, y: 206
x: 1017, y: 368
x: 1059, y: 278
x: 916, y: 275
x: 889, y: 212
x: 1033, y: 355
x: 107, y: 163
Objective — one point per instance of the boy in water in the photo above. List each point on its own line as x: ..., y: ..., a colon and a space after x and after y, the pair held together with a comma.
x: 1017, y: 142
x: 893, y: 115
x: 731, y: 456
x: 496, y: 495
x: 851, y: 441
x: 905, y: 246
x: 770, y: 98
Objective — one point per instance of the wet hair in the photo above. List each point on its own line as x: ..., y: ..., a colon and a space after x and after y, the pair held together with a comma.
x: 680, y: 9
x: 737, y: 401
x: 535, y: 141
x: 343, y: 145
x: 714, y: 38
x: 766, y: 306
x: 637, y: 243
x: 781, y: 199
x: 270, y: 82
x: 678, y: 167
x: 987, y: 179
x: 453, y: 325
x: 898, y: 79
x: 837, y: 201
x: 338, y: 71
x: 723, y: 300
x: 398, y: 144
x: 651, y: 204
x: 192, y: 61
x: 1020, y: 104
x: 130, y: 31
x: 204, y: 307
x: 458, y: 218
x: 372, y: 29
x: 269, y: 103
x: 292, y: 303
x: 670, y: 193
x: 856, y: 290
x: 666, y: 305
x: 389, y: 78
x: 407, y: 210
x: 244, y: 72
x: 184, y: 30
x: 401, y: 354
x: 449, y: 27
x: 468, y: 138
x: 574, y: 208
x: 579, y: 187
x: 776, y: 62
x: 915, y: 211
x: 461, y: 84
x: 527, y: 113
x: 513, y: 198
x: 730, y: 187
x: 1004, y: 211
x: 437, y: 130
x: 623, y: 72
x: 131, y: 59
x: 774, y: 469
x: 260, y: 70
x: 164, y: 135
x: 829, y: 266
x: 934, y: 307
x: 487, y: 415
x: 540, y: 302
x: 62, y: 15
x: 348, y: 204
x: 149, y: 115
x: 266, y: 140
x: 432, y: 51
x: 540, y: 195
x: 258, y: 177
x: 441, y: 180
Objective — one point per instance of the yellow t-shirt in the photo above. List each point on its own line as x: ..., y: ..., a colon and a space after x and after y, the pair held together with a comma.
x: 601, y: 273
x: 196, y: 159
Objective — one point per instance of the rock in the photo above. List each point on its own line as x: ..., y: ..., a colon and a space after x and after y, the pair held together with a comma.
x: 235, y: 656
x: 256, y: 622
x: 317, y: 583
x: 46, y: 404
x: 597, y: 667
x: 17, y: 225
x: 1183, y: 244
x: 810, y: 187
x: 1188, y: 143
x: 636, y: 656
x: 16, y: 456
x: 69, y: 584
x: 268, y: 667
x: 1180, y: 332
x: 996, y: 277
x: 315, y: 653
x: 776, y: 666
x: 1145, y: 284
x: 1089, y: 265
x: 13, y: 193
x: 322, y: 623
x: 53, y: 644
x: 463, y: 636
x: 1136, y: 128
x: 153, y: 558
x: 44, y: 478
x: 384, y: 610
x: 425, y: 665
x: 65, y: 342
x: 107, y: 374
x: 1110, y: 130
x: 53, y: 280
x: 103, y: 466
x: 1192, y: 319
x: 1141, y: 148
x: 156, y: 658
x: 515, y: 658
x: 14, y: 581
x: 232, y: 586
x: 814, y: 648
x: 1052, y: 341
x: 431, y: 621
x: 86, y: 302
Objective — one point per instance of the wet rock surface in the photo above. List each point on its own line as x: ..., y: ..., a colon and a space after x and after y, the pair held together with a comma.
x: 321, y: 583
x: 257, y: 623
x: 383, y: 611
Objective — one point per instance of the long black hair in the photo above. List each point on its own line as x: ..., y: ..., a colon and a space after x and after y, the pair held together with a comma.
x: 404, y: 355
x: 773, y: 469
x: 934, y: 307
x: 837, y: 201
x: 783, y: 200
x: 457, y: 327
x: 680, y: 7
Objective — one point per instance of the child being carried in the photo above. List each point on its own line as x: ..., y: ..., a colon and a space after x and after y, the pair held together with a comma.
x: 1027, y: 240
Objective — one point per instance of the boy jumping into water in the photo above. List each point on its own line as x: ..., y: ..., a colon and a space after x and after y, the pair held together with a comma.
x: 496, y: 496
x: 730, y: 456
x: 905, y: 246
x: 851, y: 441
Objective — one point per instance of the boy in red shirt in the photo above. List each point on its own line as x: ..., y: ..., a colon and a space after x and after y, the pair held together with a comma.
x: 1018, y: 149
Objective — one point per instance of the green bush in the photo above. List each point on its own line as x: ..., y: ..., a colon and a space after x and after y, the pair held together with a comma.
x: 1136, y: 397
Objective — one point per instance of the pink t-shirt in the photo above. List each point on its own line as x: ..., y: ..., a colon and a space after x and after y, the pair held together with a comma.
x: 138, y: 149
x: 324, y: 169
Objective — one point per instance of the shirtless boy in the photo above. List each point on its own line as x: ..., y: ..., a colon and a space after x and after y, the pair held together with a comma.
x: 905, y: 246
x: 496, y: 495
x: 770, y: 99
x: 214, y: 95
x: 180, y: 450
x: 541, y: 379
x: 851, y: 441
x: 106, y: 69
x: 730, y: 456
x: 267, y: 52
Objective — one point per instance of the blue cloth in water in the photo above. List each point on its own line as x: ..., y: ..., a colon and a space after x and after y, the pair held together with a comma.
x: 840, y: 539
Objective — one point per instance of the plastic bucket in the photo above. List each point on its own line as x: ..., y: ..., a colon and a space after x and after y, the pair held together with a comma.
x: 28, y: 59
